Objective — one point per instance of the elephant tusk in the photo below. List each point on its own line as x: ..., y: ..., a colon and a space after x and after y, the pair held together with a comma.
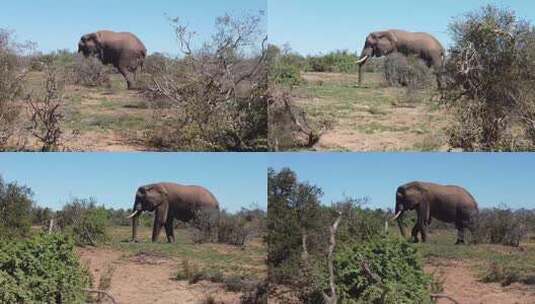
x: 133, y: 214
x: 397, y: 215
x: 362, y: 60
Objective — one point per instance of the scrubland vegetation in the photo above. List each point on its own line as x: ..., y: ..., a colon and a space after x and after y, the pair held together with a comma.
x: 372, y: 263
x: 485, y: 104
x: 42, y: 246
x: 210, y: 98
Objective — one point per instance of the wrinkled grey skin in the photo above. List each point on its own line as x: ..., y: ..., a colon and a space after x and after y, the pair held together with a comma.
x: 423, y: 45
x: 450, y: 204
x: 122, y: 50
x: 171, y: 201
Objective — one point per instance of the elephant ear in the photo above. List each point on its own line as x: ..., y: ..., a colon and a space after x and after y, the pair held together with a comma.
x: 413, y: 195
x: 386, y: 42
x: 160, y: 189
x: 95, y: 37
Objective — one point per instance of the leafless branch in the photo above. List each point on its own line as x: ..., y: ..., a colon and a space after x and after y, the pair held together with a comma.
x: 102, y: 292
x: 332, y: 298
x: 443, y: 296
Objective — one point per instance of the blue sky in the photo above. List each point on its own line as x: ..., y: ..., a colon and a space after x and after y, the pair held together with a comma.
x: 319, y: 26
x: 492, y: 178
x: 237, y: 180
x: 59, y: 24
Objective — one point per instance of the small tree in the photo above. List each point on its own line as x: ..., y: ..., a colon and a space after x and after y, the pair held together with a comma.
x: 47, y: 114
x: 491, y: 76
x: 217, y: 92
x: 87, y: 223
x: 15, y: 209
x: 12, y: 75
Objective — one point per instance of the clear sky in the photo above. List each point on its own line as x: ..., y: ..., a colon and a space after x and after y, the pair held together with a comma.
x: 237, y: 180
x: 59, y: 24
x: 319, y: 26
x: 492, y: 178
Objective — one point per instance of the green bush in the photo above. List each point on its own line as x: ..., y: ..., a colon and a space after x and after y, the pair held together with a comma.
x: 286, y: 74
x: 338, y: 61
x: 284, y: 66
x: 42, y: 269
x: 87, y: 223
x: 15, y: 210
x: 397, y: 273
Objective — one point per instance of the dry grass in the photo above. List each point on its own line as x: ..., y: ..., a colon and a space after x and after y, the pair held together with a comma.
x: 372, y: 117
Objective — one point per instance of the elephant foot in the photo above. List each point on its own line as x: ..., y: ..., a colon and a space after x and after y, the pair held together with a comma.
x: 459, y: 242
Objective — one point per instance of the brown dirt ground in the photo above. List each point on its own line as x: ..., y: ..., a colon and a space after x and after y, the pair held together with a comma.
x: 149, y: 279
x: 461, y: 283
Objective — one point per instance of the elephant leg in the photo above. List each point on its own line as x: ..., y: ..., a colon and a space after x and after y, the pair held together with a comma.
x: 460, y: 235
x: 169, y: 230
x: 423, y: 231
x: 414, y: 233
x: 156, y: 229
x: 127, y: 76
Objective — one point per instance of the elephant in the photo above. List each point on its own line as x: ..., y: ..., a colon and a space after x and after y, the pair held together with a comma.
x: 423, y: 45
x: 123, y: 50
x: 171, y: 201
x: 447, y: 203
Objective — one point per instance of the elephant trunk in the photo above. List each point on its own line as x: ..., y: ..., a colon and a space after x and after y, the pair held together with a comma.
x: 364, y: 56
x: 134, y: 227
x: 399, y: 218
x: 134, y: 216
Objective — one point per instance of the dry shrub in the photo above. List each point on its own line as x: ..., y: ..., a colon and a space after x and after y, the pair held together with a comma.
x: 47, y: 113
x: 84, y: 221
x: 407, y: 71
x: 490, y: 81
x: 501, y: 226
x: 238, y: 229
x: 206, y: 225
x: 89, y: 72
x: 258, y: 295
x: 12, y: 75
x: 288, y: 126
x: 234, y: 229
x: 217, y: 94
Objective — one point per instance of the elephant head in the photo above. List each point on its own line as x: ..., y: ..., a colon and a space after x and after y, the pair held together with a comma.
x: 410, y: 198
x: 90, y: 45
x: 378, y: 44
x: 148, y: 198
